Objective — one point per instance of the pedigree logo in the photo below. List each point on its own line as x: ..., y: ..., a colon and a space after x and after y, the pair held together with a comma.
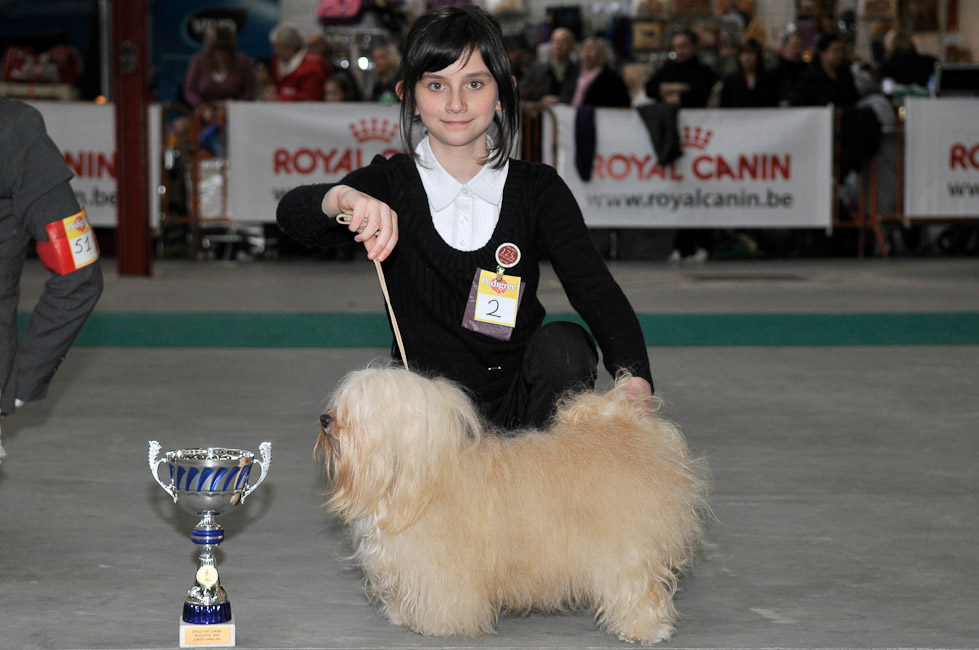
x: 374, y: 129
x: 79, y: 225
x: 961, y: 156
x: 721, y: 166
x: 499, y: 286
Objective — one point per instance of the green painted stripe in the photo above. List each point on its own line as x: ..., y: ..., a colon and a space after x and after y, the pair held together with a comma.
x: 338, y: 330
x: 961, y: 328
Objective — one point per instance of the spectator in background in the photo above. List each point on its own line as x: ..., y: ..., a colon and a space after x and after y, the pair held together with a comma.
x: 265, y: 90
x: 827, y: 79
x: 335, y: 67
x: 684, y: 79
x: 317, y: 44
x: 521, y: 55
x: 387, y: 67
x: 790, y: 66
x: 298, y: 74
x: 217, y: 73
x: 553, y: 81
x: 904, y: 65
x: 338, y: 89
x: 598, y: 84
x: 635, y: 76
x: 751, y: 86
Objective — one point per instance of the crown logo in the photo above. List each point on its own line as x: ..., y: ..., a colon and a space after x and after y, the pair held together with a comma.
x: 374, y: 129
x: 696, y: 138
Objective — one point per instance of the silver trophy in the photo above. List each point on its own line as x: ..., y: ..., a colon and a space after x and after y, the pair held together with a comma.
x: 208, y: 482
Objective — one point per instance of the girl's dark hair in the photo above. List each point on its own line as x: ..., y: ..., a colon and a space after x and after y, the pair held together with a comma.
x: 751, y: 45
x: 220, y: 38
x: 441, y: 37
x: 827, y: 39
x: 344, y: 84
x: 689, y: 33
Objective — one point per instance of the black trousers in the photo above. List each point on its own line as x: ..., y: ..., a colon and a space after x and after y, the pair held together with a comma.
x: 560, y: 357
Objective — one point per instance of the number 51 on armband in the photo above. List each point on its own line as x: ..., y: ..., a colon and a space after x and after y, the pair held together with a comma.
x: 71, y: 244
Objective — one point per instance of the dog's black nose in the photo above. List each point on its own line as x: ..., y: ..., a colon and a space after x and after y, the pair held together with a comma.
x: 325, y: 420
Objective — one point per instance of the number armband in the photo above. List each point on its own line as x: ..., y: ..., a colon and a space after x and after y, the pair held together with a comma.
x: 71, y: 244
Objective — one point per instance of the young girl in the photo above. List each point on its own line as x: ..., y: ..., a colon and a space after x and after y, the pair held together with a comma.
x: 460, y: 228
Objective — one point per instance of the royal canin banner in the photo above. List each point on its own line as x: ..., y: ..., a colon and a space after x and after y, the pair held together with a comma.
x: 739, y: 168
x: 274, y: 147
x: 941, y: 162
x: 86, y: 134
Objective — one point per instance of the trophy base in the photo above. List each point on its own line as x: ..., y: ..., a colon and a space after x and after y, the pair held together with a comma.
x: 215, y: 635
x: 196, y: 614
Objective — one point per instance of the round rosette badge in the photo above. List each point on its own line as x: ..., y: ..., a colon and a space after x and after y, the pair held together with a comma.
x: 507, y: 255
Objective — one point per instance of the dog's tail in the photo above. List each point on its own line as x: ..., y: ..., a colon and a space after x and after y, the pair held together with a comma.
x: 691, y: 473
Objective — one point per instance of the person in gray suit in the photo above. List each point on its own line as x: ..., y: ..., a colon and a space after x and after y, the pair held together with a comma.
x: 37, y: 202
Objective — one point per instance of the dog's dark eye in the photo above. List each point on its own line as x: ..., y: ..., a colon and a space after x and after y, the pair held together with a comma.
x: 325, y: 420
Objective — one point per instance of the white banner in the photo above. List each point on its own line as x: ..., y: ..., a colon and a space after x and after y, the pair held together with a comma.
x: 86, y: 135
x: 274, y: 147
x: 941, y: 161
x: 740, y: 168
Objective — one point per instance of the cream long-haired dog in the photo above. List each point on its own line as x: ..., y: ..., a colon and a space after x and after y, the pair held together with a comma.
x: 452, y: 524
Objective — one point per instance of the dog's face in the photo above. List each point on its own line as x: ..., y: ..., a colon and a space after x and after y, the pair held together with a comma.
x: 328, y: 443
x: 385, y: 438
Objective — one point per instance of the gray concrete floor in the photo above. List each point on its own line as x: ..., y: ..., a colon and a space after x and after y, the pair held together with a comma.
x: 846, y: 484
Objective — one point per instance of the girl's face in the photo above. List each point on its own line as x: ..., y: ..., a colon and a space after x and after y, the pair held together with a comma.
x: 457, y: 105
x: 749, y: 60
x: 334, y: 93
x: 833, y: 56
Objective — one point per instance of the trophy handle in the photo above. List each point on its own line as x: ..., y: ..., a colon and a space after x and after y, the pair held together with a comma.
x: 266, y: 449
x: 154, y: 451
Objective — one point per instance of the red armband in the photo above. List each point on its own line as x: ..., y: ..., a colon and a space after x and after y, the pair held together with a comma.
x: 71, y: 244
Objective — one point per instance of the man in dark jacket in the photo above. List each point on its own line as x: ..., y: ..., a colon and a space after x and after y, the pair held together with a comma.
x: 684, y: 79
x: 36, y: 202
x: 828, y: 80
x: 553, y: 81
x: 904, y: 64
x: 790, y: 66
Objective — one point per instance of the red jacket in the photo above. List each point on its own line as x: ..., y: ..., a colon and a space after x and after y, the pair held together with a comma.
x: 305, y: 83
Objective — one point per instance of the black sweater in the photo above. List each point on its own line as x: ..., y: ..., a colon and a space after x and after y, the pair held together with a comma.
x: 697, y: 75
x: 429, y: 281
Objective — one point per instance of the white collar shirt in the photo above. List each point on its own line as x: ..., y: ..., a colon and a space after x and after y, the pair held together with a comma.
x: 464, y: 214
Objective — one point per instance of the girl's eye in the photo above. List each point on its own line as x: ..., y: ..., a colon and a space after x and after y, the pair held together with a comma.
x: 435, y: 85
x: 475, y: 85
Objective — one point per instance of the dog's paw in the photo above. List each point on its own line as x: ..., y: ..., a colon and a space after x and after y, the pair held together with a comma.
x: 661, y: 633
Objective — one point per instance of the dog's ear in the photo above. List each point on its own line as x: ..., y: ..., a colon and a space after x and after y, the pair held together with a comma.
x: 327, y: 445
x: 402, y: 438
x: 360, y: 472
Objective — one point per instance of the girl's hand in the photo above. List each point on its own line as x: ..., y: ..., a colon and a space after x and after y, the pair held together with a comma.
x: 637, y: 387
x: 375, y: 221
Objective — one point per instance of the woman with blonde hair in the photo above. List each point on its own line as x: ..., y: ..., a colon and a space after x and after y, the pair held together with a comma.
x: 219, y: 71
x: 598, y: 82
